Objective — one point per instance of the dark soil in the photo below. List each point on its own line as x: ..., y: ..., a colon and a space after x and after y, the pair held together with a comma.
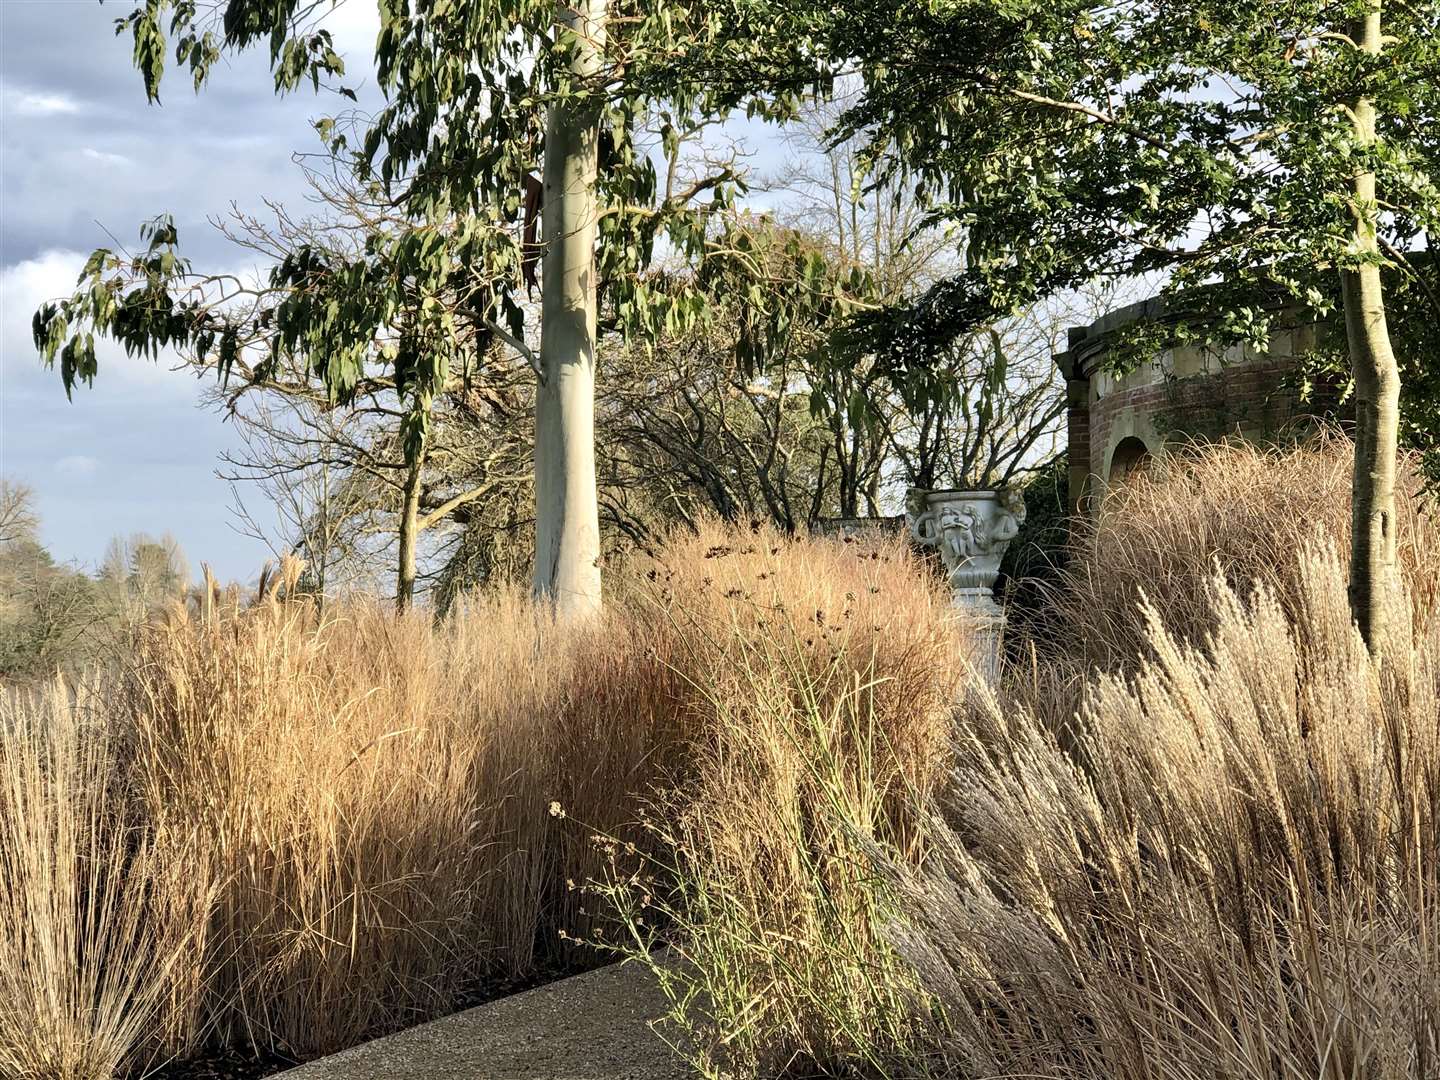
x: 248, y: 1064
x: 225, y: 1065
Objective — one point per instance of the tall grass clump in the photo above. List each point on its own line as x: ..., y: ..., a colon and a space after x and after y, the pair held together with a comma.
x: 1246, y: 508
x: 338, y: 799
x: 829, y: 683
x: 329, y: 825
x: 96, y: 918
x: 750, y: 610
x: 373, y: 792
x: 1234, y: 875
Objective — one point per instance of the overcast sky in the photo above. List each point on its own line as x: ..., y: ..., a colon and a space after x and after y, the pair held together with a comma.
x: 81, y: 153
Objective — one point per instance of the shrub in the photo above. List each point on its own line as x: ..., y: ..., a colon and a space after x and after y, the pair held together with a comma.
x: 1035, y: 561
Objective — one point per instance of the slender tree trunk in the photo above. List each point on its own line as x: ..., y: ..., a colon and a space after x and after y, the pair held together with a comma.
x: 567, y: 515
x: 1377, y: 392
x: 322, y: 561
x: 409, y: 530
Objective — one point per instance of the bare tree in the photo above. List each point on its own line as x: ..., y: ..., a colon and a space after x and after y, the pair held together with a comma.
x: 990, y: 406
x: 140, y: 573
x: 686, y: 430
x: 321, y: 505
x: 1003, y: 415
x: 18, y: 520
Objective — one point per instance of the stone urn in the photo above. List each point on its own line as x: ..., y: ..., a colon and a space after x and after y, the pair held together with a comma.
x: 971, y: 530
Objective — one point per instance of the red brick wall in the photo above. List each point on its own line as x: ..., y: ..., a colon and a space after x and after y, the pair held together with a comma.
x: 1250, y: 398
x: 1078, y: 432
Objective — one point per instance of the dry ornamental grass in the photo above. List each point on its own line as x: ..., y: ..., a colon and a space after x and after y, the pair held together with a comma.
x: 1235, y: 875
x: 1224, y: 863
x: 1234, y: 505
x: 341, y: 822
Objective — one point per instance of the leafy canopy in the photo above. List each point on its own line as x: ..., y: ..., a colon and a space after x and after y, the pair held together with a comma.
x: 1199, y: 141
x: 454, y: 150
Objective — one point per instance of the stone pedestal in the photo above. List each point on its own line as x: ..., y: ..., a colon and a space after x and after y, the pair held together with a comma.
x: 971, y: 530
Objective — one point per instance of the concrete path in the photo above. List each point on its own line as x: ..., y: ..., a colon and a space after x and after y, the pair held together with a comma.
x: 590, y: 1027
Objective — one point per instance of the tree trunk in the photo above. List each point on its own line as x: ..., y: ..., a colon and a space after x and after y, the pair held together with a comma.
x: 1377, y: 392
x: 567, y: 515
x: 322, y: 561
x: 409, y: 530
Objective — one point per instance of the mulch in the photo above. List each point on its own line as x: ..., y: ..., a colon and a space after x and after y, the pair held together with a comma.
x: 225, y: 1065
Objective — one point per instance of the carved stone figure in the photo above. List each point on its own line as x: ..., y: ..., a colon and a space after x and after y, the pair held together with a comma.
x: 1009, y: 516
x: 970, y: 530
x: 958, y: 537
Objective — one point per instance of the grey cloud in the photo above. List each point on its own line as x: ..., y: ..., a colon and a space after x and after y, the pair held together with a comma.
x: 196, y: 154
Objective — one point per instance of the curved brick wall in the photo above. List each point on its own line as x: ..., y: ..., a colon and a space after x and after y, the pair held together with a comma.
x: 1183, y: 393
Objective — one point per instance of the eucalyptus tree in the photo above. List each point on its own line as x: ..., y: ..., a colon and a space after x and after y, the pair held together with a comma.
x: 481, y: 96
x: 339, y: 330
x: 1276, y: 152
x: 354, y: 479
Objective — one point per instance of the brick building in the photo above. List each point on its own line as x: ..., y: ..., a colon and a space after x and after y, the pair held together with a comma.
x: 1119, y: 421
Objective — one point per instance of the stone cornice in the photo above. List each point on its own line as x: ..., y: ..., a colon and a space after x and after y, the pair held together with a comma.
x: 1087, y: 345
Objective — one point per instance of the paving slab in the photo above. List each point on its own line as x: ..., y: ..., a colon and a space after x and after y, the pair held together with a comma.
x: 594, y: 1026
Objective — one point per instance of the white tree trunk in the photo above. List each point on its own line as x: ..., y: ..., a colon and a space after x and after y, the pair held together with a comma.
x: 1377, y: 394
x: 567, y: 516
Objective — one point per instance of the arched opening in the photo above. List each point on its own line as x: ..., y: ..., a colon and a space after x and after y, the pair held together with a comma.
x: 1130, y: 457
